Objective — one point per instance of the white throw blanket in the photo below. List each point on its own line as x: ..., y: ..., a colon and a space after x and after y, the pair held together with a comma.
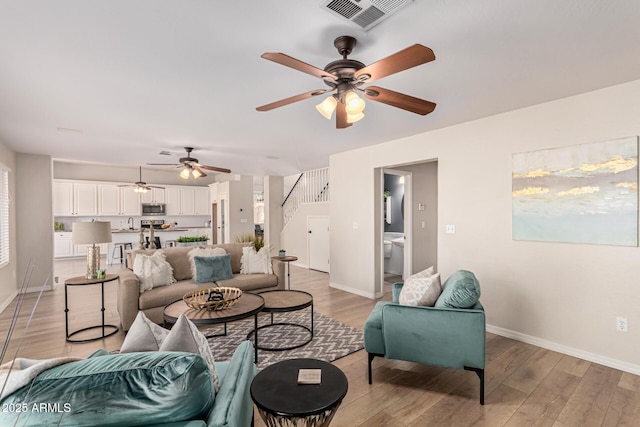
x: 25, y: 370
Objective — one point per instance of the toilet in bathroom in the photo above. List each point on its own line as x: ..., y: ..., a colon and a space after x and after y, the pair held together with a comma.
x: 393, y: 253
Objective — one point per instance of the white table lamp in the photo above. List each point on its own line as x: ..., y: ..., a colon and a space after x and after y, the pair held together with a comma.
x: 92, y: 233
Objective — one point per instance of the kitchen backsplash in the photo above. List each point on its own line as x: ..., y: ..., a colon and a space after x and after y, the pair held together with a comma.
x: 119, y: 222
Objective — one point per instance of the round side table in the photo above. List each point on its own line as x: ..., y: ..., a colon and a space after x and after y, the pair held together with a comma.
x: 281, y: 401
x: 83, y: 281
x: 288, y: 259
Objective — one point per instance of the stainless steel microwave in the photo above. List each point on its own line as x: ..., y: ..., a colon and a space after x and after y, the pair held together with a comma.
x: 154, y: 209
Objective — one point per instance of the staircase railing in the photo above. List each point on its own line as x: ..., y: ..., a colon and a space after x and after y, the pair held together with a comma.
x: 311, y: 187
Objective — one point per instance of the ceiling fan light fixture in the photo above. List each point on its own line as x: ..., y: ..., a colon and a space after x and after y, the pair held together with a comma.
x: 184, y: 174
x: 353, y: 103
x: 140, y: 190
x: 352, y: 118
x: 197, y: 173
x: 327, y: 107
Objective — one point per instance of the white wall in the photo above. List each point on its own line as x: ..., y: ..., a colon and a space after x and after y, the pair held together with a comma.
x: 295, y: 235
x: 35, y: 226
x: 562, y: 296
x: 8, y: 274
x: 273, y: 198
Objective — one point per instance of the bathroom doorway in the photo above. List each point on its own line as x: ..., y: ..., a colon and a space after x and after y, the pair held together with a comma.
x: 396, y: 225
x: 419, y: 221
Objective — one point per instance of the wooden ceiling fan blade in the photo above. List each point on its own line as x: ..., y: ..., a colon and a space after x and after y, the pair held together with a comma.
x: 403, y: 60
x: 296, y: 64
x: 215, y: 169
x: 399, y: 100
x: 291, y: 100
x: 341, y: 116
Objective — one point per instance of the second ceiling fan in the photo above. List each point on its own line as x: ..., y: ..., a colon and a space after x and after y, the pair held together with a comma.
x: 191, y: 166
x: 346, y: 76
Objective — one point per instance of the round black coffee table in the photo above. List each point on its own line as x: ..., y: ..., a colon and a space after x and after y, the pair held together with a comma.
x: 282, y: 401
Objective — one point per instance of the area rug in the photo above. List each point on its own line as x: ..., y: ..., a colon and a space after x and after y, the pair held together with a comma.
x: 331, y: 339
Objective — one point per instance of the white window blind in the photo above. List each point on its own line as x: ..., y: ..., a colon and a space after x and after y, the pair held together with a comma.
x: 4, y: 216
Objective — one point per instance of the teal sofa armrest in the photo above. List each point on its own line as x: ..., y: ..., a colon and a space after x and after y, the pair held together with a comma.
x: 448, y: 337
x: 397, y: 288
x: 233, y: 406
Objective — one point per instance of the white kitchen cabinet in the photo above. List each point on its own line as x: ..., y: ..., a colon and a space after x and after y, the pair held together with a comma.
x: 187, y: 200
x: 202, y: 204
x: 129, y: 201
x: 114, y: 200
x: 155, y: 195
x: 172, y: 200
x: 108, y: 195
x: 75, y: 199
x: 62, y: 245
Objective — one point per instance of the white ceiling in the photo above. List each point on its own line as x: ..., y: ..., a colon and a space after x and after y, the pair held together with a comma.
x: 141, y: 76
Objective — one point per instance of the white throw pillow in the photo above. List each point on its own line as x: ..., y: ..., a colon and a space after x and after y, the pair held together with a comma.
x: 185, y: 336
x: 253, y: 262
x: 143, y: 335
x: 421, y: 290
x: 153, y: 271
x: 206, y: 252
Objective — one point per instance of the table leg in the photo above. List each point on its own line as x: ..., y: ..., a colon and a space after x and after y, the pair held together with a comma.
x: 289, y: 275
x: 255, y: 331
x: 66, y: 312
x: 311, y: 319
x: 102, y: 309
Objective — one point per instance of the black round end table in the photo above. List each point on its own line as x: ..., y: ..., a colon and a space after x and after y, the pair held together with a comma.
x: 282, y: 401
x: 83, y: 281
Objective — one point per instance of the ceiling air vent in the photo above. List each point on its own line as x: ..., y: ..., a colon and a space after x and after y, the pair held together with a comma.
x: 364, y: 13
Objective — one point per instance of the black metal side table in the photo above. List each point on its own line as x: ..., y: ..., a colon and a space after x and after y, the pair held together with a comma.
x: 281, y: 401
x: 83, y: 281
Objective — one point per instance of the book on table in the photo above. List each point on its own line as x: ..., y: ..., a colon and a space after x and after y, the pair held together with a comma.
x: 309, y: 376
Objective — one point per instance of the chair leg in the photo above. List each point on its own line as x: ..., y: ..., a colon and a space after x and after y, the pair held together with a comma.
x: 480, y: 374
x: 371, y: 356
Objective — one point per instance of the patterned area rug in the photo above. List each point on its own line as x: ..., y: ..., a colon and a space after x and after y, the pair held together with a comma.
x: 331, y: 339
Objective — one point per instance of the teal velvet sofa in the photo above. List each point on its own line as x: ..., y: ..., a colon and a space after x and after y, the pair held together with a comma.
x: 441, y: 335
x: 137, y: 389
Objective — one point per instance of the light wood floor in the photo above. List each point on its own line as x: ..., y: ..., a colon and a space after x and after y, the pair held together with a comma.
x: 525, y: 385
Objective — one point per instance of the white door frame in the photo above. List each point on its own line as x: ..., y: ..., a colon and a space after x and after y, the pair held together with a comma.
x: 408, y: 224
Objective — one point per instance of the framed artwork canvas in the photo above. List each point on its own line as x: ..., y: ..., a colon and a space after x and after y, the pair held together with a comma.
x: 584, y: 193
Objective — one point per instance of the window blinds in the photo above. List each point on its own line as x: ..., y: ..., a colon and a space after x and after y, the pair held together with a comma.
x: 4, y: 216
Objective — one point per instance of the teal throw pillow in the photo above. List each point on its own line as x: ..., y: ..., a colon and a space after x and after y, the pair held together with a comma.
x: 461, y: 290
x: 213, y: 268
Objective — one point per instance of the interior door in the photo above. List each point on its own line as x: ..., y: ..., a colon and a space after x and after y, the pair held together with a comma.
x: 318, y: 243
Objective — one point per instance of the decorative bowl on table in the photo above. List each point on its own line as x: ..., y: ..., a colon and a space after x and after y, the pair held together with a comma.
x: 212, y: 298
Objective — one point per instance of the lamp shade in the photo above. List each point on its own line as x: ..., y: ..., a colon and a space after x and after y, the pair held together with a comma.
x: 88, y: 233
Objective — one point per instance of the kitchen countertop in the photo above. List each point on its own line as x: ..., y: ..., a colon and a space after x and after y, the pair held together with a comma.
x: 156, y: 230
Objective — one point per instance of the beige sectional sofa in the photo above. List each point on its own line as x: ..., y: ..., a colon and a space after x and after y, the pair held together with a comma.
x: 152, y: 302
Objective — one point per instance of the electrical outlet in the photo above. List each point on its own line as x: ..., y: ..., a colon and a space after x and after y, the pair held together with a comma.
x: 450, y: 229
x: 621, y: 324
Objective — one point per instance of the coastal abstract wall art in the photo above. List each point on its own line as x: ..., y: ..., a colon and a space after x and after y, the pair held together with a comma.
x: 584, y: 193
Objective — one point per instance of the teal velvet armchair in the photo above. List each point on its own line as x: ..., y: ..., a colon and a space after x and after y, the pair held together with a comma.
x: 441, y: 335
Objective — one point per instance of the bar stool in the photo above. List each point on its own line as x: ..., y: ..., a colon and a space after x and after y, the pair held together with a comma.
x: 122, y: 247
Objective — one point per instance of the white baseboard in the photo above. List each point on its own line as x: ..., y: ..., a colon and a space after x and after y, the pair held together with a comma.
x: 297, y: 264
x: 9, y: 300
x: 349, y: 289
x: 561, y: 348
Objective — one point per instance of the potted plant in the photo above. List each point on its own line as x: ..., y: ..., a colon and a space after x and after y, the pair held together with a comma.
x: 282, y: 253
x: 191, y: 241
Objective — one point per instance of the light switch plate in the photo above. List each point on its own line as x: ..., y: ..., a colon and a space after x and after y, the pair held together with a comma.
x: 450, y: 229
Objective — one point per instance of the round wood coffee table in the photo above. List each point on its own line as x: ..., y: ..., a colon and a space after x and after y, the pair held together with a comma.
x: 281, y: 401
x: 284, y: 301
x: 248, y: 305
